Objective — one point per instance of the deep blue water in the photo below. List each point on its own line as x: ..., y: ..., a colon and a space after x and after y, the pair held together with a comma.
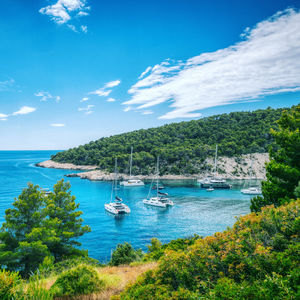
x: 195, y: 210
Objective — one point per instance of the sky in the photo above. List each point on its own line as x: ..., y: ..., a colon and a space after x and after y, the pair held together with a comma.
x: 72, y: 71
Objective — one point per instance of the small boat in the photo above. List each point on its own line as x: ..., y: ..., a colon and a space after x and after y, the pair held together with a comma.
x: 160, y: 187
x: 251, y: 191
x: 116, y: 207
x: 161, y: 199
x: 131, y: 181
x: 210, y: 189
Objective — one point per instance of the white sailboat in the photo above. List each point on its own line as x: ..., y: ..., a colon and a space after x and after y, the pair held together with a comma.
x: 161, y: 199
x: 252, y: 190
x: 214, y: 182
x: 131, y: 181
x: 116, y: 206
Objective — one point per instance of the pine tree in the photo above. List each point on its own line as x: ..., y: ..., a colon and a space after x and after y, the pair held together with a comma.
x: 283, y: 170
x: 40, y: 225
x: 64, y: 219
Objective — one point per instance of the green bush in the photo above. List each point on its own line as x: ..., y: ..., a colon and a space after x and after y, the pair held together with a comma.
x: 258, y: 258
x: 8, y: 282
x: 125, y: 254
x: 81, y: 280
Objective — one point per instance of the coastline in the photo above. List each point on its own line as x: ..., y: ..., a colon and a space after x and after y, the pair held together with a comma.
x: 229, y: 168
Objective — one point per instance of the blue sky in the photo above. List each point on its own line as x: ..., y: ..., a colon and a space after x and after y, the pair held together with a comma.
x: 72, y: 71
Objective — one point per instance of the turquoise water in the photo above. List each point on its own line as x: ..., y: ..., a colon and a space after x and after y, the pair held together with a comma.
x: 195, y: 210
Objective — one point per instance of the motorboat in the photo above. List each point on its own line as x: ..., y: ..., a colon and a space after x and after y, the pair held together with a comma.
x: 131, y: 181
x: 210, y: 189
x: 251, y: 191
x: 116, y: 206
x: 161, y: 199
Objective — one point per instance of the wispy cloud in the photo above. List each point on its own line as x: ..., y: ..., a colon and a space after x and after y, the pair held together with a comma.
x: 24, y: 110
x: 88, y: 109
x: 147, y: 112
x: 6, y: 84
x: 57, y: 125
x: 106, y: 89
x: 84, y: 28
x: 266, y: 61
x: 84, y: 99
x: 3, y: 117
x: 62, y: 11
x: 45, y: 96
x: 128, y: 108
x: 111, y: 100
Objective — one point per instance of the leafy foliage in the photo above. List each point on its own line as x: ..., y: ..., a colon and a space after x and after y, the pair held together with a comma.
x: 125, y: 254
x: 283, y: 170
x: 40, y: 226
x: 182, y: 147
x: 81, y: 280
x: 257, y: 259
x: 8, y: 282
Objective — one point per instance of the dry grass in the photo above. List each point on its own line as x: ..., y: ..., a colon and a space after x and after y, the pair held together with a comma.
x: 115, y: 278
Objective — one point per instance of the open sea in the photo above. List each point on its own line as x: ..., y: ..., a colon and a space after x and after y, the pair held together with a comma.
x: 196, y: 211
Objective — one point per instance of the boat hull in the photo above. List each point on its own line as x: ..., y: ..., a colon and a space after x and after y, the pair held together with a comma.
x: 127, y: 184
x: 215, y: 185
x: 154, y: 202
x: 115, y: 211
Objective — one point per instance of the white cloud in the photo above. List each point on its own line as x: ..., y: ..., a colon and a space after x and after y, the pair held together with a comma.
x: 45, y: 96
x: 64, y: 10
x: 266, y: 61
x: 84, y: 28
x: 24, y: 110
x: 147, y: 112
x: 100, y: 92
x: 112, y: 84
x: 88, y: 109
x: 4, y: 85
x: 111, y: 100
x: 3, y: 116
x: 72, y: 27
x: 57, y: 125
x: 128, y: 108
x: 84, y: 99
x: 106, y: 89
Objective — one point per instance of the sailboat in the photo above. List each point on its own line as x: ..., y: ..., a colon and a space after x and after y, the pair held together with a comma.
x: 251, y: 190
x: 161, y: 199
x: 131, y: 181
x: 214, y: 182
x: 116, y: 206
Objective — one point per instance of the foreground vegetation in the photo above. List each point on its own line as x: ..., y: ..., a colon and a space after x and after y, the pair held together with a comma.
x: 182, y: 147
x: 258, y: 258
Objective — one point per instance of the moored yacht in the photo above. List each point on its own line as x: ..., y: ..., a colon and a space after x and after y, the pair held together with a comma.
x: 131, y: 181
x: 214, y: 182
x: 251, y: 191
x: 161, y: 199
x: 116, y: 206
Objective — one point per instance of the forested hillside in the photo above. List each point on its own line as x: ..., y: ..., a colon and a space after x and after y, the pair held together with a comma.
x: 182, y: 146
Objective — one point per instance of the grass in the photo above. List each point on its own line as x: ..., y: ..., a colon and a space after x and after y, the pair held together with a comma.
x: 115, y: 278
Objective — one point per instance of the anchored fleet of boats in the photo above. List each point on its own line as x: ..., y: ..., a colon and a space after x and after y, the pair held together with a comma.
x: 160, y: 199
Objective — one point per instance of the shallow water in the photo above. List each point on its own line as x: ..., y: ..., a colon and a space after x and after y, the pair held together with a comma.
x: 195, y: 210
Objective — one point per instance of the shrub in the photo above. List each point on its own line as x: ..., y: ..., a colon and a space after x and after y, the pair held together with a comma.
x: 256, y: 259
x: 8, y: 282
x: 125, y: 254
x: 81, y: 280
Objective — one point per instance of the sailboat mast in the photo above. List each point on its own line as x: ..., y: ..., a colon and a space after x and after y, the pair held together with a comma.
x: 113, y: 186
x: 130, y: 165
x: 216, y: 155
x: 157, y: 171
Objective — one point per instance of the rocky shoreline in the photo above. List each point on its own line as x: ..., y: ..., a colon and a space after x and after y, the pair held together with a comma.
x: 228, y: 168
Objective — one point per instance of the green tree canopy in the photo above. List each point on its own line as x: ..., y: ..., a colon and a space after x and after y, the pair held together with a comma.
x: 40, y: 225
x: 283, y: 170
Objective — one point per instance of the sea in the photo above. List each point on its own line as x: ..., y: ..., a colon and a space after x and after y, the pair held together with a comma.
x: 196, y: 211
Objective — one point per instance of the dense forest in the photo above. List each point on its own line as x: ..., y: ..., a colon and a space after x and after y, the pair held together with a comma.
x: 182, y: 147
